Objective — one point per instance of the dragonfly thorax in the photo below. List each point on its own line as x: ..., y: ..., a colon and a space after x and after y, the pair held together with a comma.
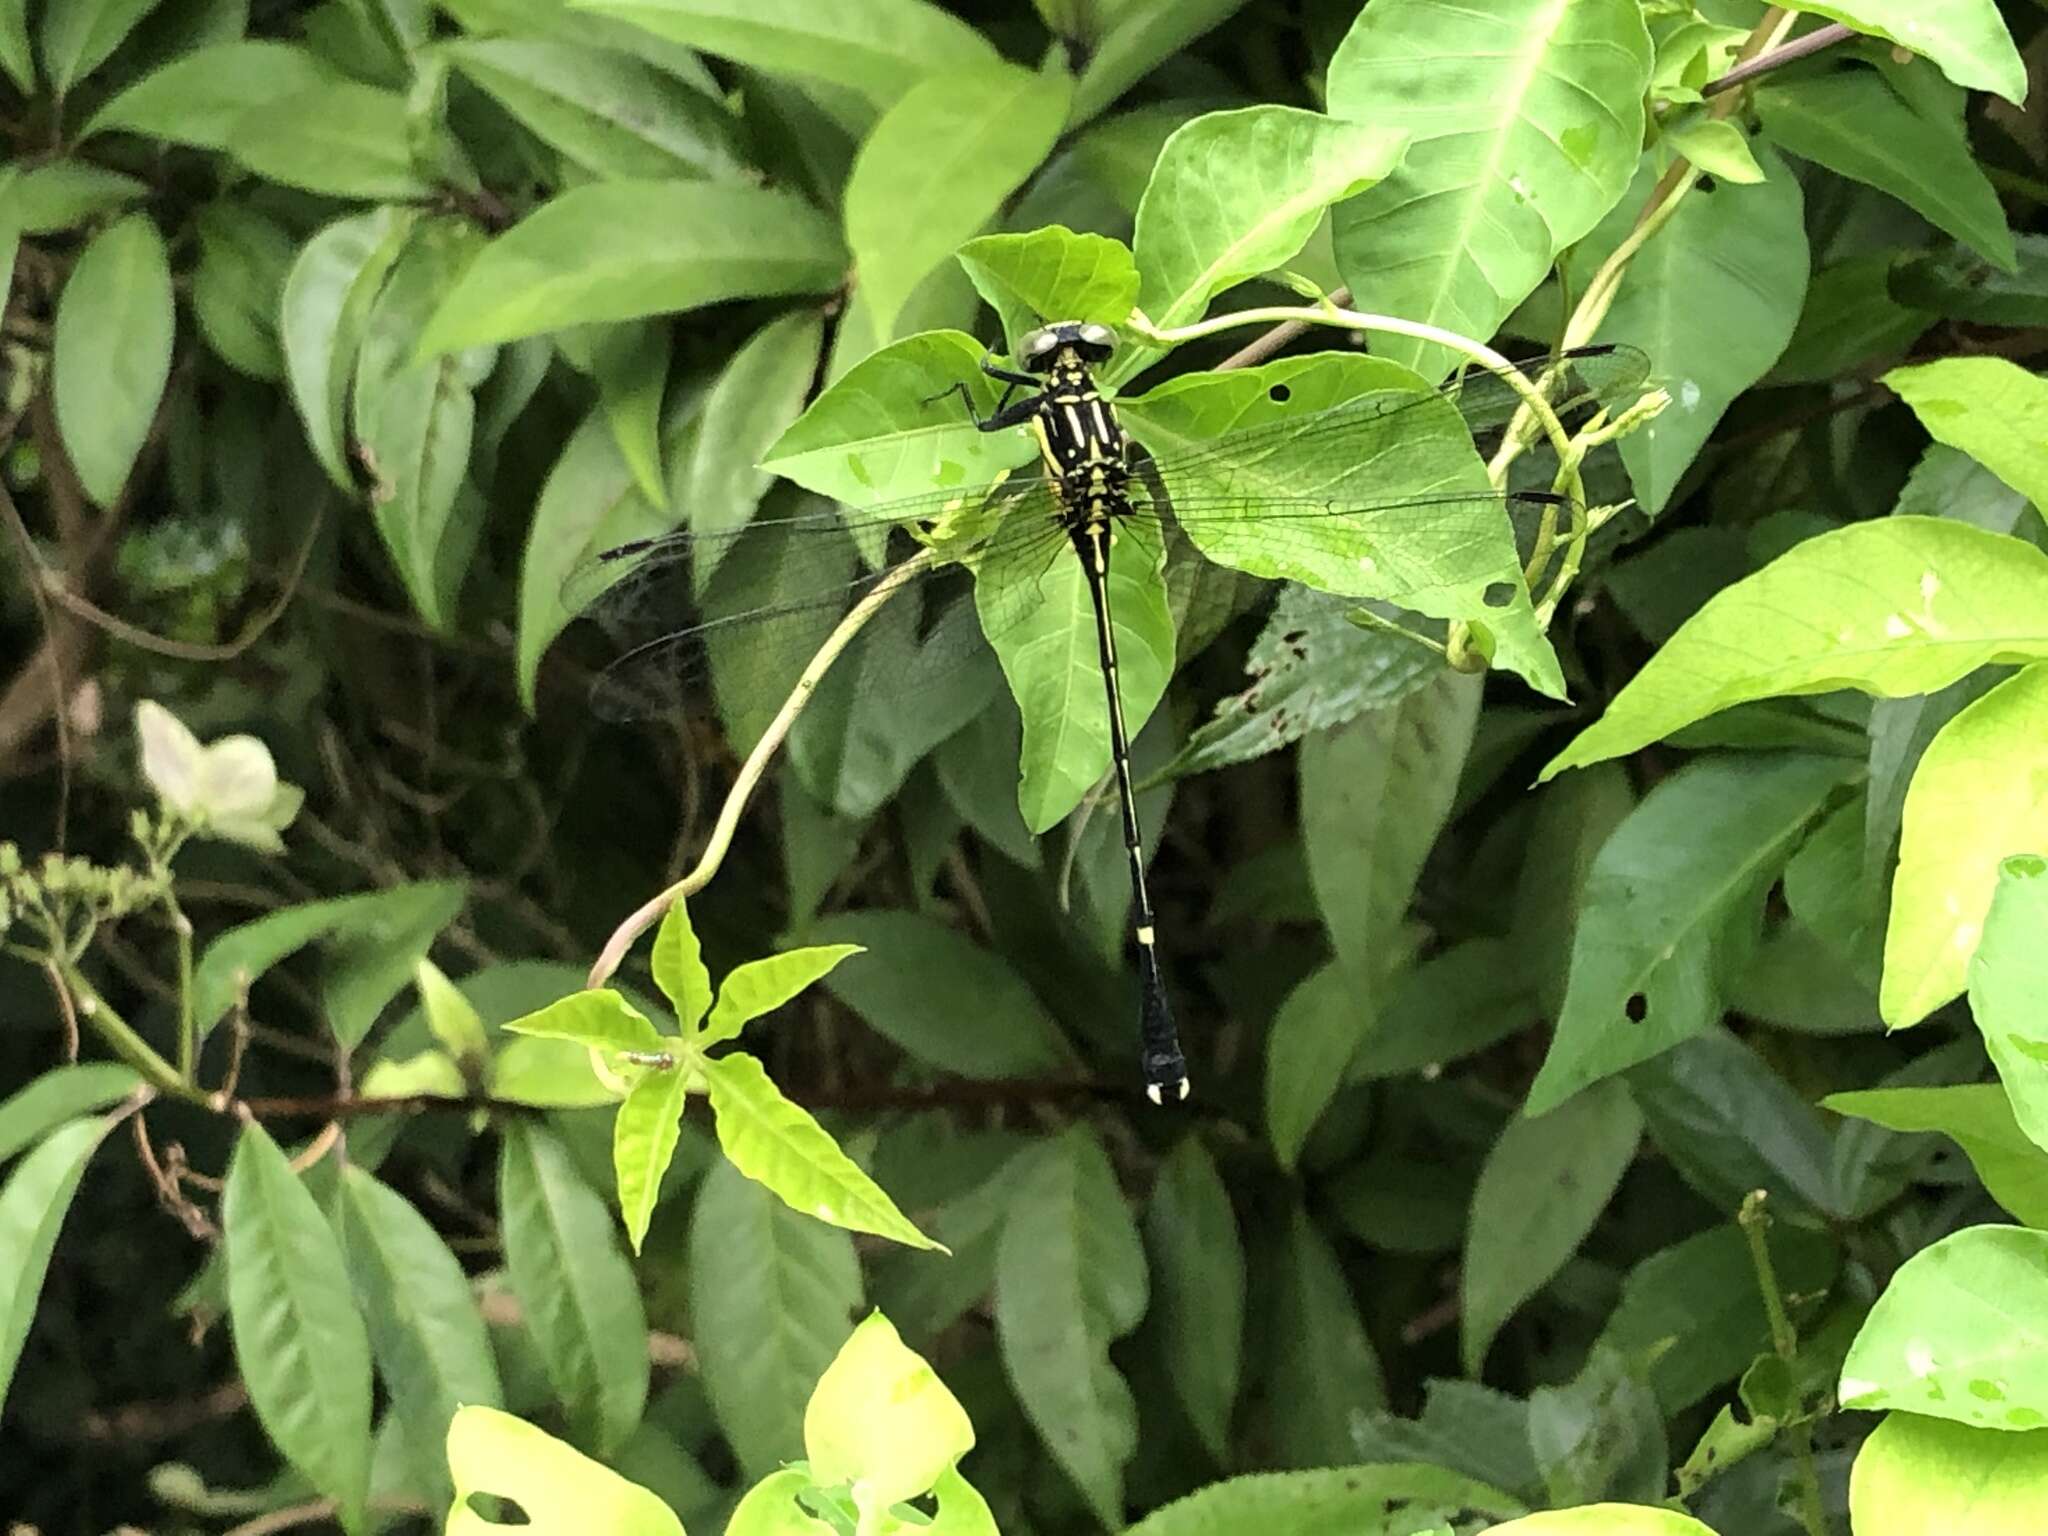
x: 1081, y: 441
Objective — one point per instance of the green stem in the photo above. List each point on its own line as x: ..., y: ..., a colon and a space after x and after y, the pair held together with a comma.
x: 1785, y: 1341
x: 99, y: 1014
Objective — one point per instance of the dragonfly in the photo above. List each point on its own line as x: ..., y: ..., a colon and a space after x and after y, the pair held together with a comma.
x: 1380, y: 494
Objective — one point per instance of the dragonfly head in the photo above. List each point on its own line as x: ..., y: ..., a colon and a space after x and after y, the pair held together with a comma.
x: 1038, y: 350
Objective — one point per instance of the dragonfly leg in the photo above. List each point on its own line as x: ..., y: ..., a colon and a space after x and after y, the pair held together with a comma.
x: 1007, y: 413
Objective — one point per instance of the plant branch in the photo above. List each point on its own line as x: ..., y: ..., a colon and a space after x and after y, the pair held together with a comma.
x: 751, y: 772
x: 1755, y: 1223
x: 1286, y: 332
x: 1806, y: 47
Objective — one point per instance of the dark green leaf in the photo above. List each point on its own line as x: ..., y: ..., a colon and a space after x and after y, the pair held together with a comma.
x: 1543, y: 1185
x: 33, y: 1203
x: 773, y: 1295
x: 46, y: 1101
x: 243, y: 259
x: 1316, y: 1031
x: 1198, y: 1261
x: 1600, y: 1436
x: 1962, y: 285
x: 1138, y: 37
x: 1672, y: 889
x: 1321, y: 1375
x: 1333, y: 1501
x: 79, y: 34
x: 299, y: 1339
x: 1853, y: 315
x: 1070, y: 1279
x: 64, y: 194
x: 1456, y: 1003
x: 1978, y: 1117
x: 1856, y: 125
x: 425, y: 1331
x: 575, y: 1288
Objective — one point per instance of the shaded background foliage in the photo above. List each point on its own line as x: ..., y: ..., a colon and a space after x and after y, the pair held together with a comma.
x: 306, y: 451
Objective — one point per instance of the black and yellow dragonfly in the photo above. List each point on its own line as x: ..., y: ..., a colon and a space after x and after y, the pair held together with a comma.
x: 1344, y: 474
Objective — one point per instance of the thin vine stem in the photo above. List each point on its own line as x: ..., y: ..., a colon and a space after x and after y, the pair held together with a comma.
x: 752, y: 771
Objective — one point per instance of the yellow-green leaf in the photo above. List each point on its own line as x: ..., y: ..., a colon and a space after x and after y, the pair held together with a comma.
x: 562, y: 1491
x: 882, y: 1420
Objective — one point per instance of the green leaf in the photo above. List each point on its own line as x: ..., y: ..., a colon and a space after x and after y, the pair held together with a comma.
x: 588, y: 503
x: 879, y: 48
x: 15, y: 56
x: 942, y: 997
x: 1043, y: 625
x: 1321, y: 1377
x: 1374, y: 795
x: 243, y: 260
x: 1987, y: 407
x: 1311, y: 668
x: 625, y: 249
x: 373, y: 920
x: 1916, y: 1474
x: 416, y: 421
x: 112, y: 352
x: 1070, y: 1279
x: 1442, y: 560
x: 336, y: 137
x: 196, y: 97
x: 761, y: 986
x: 1353, y: 1500
x: 49, y: 1099
x: 1853, y: 315
x: 758, y: 393
x: 644, y: 1136
x: 558, y: 21
x: 1052, y: 274
x: 575, y: 1288
x: 1955, y: 1334
x: 882, y: 1421
x: 78, y: 35
x: 1669, y: 900
x: 1973, y: 802
x: 549, y: 1074
x: 1197, y: 1260
x: 66, y: 194
x: 378, y: 945
x: 1967, y: 38
x: 1137, y: 37
x: 1454, y: 1004
x: 430, y: 1072
x: 870, y: 437
x: 1912, y: 604
x: 328, y: 296
x: 1543, y: 1185
x: 33, y: 1203
x: 772, y: 1507
x: 601, y: 1019
x: 1962, y: 285
x: 1600, y: 1435
x: 938, y: 167
x: 1854, y: 124
x: 2006, y: 991
x: 1527, y: 121
x: 299, y: 1341
x: 452, y: 1018
x: 777, y: 1143
x: 1717, y: 147
x: 1730, y: 1125
x: 678, y: 965
x: 425, y: 1331
x: 1603, y: 1520
x: 1714, y: 296
x: 772, y: 1297
x: 630, y: 364
x: 1694, y: 1312
x: 1316, y: 1031
x: 558, y: 1489
x: 611, y: 113
x: 1238, y: 193
x: 1978, y: 1117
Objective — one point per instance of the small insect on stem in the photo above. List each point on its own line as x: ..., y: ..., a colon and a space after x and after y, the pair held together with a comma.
x: 660, y: 1061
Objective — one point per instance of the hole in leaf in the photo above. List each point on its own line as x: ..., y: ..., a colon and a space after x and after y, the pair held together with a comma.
x: 1637, y: 1008
x: 498, y: 1510
x: 1498, y: 594
x: 1280, y: 394
x: 1708, y: 184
